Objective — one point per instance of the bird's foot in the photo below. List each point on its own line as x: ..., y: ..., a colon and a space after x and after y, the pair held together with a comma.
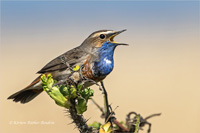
x: 94, y: 82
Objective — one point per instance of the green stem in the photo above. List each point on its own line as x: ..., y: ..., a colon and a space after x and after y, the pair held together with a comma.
x: 137, y: 125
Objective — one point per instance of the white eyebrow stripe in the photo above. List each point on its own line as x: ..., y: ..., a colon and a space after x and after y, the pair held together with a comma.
x: 105, y: 32
x: 108, y: 32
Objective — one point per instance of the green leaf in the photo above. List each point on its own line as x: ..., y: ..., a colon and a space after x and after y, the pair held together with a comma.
x: 81, y: 106
x: 62, y: 94
x: 96, y: 125
x: 73, y: 91
x: 64, y: 90
x: 54, y: 92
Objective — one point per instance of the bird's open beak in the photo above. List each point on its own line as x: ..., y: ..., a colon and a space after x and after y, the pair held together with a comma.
x: 112, y: 35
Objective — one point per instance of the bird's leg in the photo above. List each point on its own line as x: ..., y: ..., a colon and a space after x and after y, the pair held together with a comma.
x: 106, y: 104
x: 94, y: 82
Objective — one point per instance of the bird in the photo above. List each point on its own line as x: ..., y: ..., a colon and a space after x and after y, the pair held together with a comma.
x: 95, y: 54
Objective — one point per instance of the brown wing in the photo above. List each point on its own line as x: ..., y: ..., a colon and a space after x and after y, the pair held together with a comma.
x: 73, y: 57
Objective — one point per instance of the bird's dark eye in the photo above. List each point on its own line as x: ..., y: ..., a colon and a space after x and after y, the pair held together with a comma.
x: 102, y: 36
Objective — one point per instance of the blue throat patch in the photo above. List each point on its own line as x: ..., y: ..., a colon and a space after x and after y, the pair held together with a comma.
x: 105, y: 64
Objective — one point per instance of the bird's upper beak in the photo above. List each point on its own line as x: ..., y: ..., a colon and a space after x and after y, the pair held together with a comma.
x: 112, y: 35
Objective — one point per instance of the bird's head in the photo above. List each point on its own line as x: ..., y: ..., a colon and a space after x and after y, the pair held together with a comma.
x: 101, y: 38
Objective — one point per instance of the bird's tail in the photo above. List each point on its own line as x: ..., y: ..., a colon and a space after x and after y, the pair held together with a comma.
x: 28, y: 93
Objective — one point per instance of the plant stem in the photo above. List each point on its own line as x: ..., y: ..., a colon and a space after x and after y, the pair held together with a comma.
x: 137, y: 125
x: 107, y: 110
x: 78, y: 119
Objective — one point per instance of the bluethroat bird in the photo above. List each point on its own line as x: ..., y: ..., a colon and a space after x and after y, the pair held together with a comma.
x: 95, y: 54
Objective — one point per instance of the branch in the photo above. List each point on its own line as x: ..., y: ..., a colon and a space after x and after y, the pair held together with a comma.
x: 137, y: 125
x: 106, y: 104
x: 73, y: 98
x: 79, y: 120
x: 115, y: 121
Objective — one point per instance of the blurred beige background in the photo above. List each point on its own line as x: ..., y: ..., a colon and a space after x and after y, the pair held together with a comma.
x: 157, y: 73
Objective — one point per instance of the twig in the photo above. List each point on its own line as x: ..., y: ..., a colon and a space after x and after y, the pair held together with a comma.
x: 152, y: 116
x: 115, y: 121
x: 120, y: 125
x: 106, y: 103
x: 108, y: 110
x: 99, y: 107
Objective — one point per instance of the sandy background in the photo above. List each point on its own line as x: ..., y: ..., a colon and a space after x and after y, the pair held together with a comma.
x: 157, y: 72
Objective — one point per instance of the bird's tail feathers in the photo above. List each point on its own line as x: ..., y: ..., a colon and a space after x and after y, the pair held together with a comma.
x: 28, y: 93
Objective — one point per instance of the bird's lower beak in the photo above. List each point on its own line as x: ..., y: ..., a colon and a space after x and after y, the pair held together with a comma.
x: 115, y: 34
